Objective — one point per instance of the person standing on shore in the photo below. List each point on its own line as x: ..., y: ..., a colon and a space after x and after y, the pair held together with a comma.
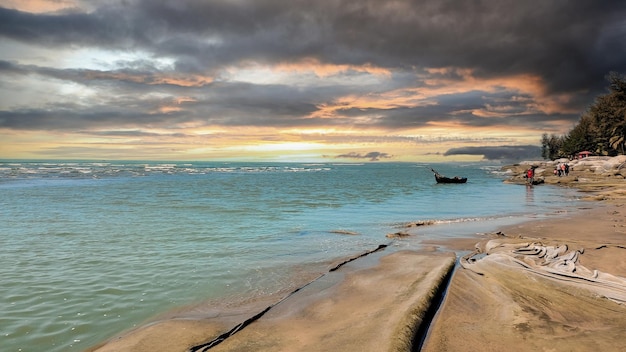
x: 530, y: 175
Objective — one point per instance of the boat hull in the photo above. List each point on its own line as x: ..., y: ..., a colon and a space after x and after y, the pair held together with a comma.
x: 451, y: 179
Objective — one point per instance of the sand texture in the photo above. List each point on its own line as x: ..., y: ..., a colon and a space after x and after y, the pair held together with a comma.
x: 355, y: 308
x: 372, y: 309
x: 556, y: 285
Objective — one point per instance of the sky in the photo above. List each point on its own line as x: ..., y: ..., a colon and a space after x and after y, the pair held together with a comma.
x: 300, y: 80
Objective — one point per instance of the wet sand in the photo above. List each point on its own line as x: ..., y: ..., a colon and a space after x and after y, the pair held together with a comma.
x: 370, y: 304
x: 550, y: 285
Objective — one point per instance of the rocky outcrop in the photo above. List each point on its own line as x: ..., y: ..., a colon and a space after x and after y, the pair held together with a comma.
x: 591, y: 169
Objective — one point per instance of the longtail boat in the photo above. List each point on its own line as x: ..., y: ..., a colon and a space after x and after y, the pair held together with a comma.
x: 443, y: 179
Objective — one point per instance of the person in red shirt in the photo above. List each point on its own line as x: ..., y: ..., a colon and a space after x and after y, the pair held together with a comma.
x: 530, y: 176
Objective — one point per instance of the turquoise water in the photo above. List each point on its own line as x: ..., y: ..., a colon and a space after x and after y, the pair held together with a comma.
x: 90, y: 249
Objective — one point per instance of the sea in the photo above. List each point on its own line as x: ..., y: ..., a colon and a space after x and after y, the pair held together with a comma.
x: 90, y: 249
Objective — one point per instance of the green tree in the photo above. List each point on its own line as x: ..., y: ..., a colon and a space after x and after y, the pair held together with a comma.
x: 617, y: 101
x: 578, y: 139
x: 602, y: 128
x: 551, y: 146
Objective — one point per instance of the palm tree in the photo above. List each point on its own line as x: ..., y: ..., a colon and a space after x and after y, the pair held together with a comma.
x: 618, y: 136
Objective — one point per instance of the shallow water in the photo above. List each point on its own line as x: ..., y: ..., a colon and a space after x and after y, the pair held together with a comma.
x: 91, y: 249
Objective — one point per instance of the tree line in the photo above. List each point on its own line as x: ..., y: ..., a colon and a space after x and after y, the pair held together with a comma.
x: 600, y: 130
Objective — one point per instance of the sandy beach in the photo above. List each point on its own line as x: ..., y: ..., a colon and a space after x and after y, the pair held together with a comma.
x: 557, y: 284
x: 550, y: 285
x: 554, y: 285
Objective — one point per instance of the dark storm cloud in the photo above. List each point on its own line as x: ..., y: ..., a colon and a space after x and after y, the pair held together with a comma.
x: 7, y: 67
x: 499, y: 153
x: 74, y: 119
x: 571, y: 45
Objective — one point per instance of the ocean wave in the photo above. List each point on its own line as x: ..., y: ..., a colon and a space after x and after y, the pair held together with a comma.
x: 431, y: 222
x: 30, y: 170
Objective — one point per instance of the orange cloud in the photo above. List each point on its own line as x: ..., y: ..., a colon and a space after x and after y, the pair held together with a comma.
x: 398, y: 98
x: 325, y: 70
x: 532, y: 94
x: 41, y: 6
x: 175, y: 104
x: 531, y: 85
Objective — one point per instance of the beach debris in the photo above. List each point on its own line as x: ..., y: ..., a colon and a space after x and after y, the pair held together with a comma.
x: 420, y: 223
x: 556, y: 262
x: 397, y: 235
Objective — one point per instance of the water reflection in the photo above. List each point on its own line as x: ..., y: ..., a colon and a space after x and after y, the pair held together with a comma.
x: 530, y: 195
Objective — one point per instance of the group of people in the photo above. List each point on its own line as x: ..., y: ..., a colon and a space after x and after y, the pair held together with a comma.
x: 562, y: 169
